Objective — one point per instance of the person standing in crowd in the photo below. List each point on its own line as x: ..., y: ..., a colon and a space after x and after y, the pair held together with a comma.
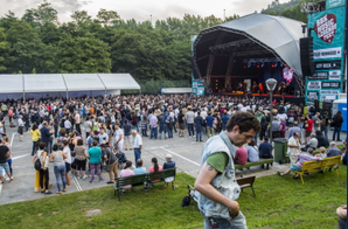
x: 337, y: 121
x: 35, y: 136
x: 77, y: 119
x: 308, y: 128
x: 189, y: 117
x: 294, y: 147
x: 219, y: 206
x: 181, y: 118
x: 275, y: 127
x: 67, y: 160
x: 127, y: 128
x: 88, y: 126
x: 45, y: 136
x: 81, y: 159
x: 162, y: 126
x: 56, y: 121
x: 137, y: 145
x: 316, y: 122
x: 94, y: 155
x: 111, y: 161
x: 209, y: 120
x: 20, y: 130
x: 67, y: 125
x: 6, y: 142
x: 282, y: 128
x: 264, y: 126
x: 324, y: 124
x: 170, y: 125
x: 57, y: 158
x: 4, y: 155
x: 153, y: 125
x: 118, y: 137
x: 103, y: 137
x: 224, y: 120
x: 265, y: 151
x: 199, y: 126
x: 44, y: 173
x: 293, y: 129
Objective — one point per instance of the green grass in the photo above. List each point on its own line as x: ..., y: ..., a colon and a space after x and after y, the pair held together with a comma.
x: 280, y: 203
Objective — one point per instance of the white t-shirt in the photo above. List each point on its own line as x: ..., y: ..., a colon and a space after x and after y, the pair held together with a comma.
x: 137, y: 141
x: 66, y: 150
x: 294, y: 142
x: 118, y: 134
x: 279, y: 116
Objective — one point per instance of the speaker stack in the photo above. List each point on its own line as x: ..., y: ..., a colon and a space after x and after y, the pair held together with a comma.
x: 306, y: 54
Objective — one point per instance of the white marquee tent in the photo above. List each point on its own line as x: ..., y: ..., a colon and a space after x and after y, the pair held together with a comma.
x: 64, y: 85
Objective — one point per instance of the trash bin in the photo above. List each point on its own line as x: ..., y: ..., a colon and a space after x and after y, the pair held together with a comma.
x: 280, y: 150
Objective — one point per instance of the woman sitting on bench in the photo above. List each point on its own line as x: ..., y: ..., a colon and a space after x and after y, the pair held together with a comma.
x: 127, y: 171
x: 302, y: 157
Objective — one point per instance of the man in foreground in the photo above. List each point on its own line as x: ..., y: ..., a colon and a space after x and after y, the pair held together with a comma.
x: 216, y: 186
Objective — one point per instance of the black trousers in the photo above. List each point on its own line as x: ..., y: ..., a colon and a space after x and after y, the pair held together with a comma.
x: 44, y: 173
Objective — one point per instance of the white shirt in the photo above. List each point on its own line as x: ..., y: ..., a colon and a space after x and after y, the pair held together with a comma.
x: 118, y: 134
x: 279, y: 116
x: 137, y: 141
x: 67, y: 124
x: 66, y: 150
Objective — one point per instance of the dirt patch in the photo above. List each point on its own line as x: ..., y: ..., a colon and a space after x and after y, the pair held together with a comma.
x: 297, y: 205
x: 40, y: 214
x: 273, y: 214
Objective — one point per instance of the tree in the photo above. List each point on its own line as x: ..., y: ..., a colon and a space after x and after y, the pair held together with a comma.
x: 3, y: 49
x: 81, y: 16
x: 107, y: 16
x: 42, y: 15
x: 83, y: 55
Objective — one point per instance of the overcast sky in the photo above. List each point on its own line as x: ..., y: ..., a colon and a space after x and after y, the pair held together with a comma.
x: 141, y: 10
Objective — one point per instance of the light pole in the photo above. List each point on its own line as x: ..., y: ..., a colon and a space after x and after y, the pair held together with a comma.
x: 271, y: 85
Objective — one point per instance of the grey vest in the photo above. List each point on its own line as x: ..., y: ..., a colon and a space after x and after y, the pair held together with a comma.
x: 224, y: 183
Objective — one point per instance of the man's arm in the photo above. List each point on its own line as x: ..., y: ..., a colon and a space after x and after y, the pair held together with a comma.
x: 202, y: 185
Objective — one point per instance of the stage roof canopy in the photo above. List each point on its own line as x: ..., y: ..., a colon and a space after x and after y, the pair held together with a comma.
x: 252, y: 35
x: 16, y: 86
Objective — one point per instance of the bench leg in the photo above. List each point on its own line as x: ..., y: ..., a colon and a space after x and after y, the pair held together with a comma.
x: 118, y: 193
x: 252, y: 188
x: 337, y: 172
x: 173, y: 184
x: 302, y: 178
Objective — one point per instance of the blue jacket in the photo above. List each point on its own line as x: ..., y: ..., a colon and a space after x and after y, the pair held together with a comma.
x: 168, y: 164
x: 198, y: 122
x: 45, y: 134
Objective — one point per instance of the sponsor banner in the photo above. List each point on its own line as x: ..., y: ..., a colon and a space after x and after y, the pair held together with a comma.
x: 327, y: 53
x: 330, y: 92
x: 327, y: 65
x: 335, y: 3
x: 335, y: 75
x: 312, y: 95
x: 314, y: 85
x: 336, y: 85
x: 327, y: 98
x: 319, y: 76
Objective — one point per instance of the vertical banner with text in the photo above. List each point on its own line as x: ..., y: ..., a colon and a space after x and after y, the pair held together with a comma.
x: 328, y: 48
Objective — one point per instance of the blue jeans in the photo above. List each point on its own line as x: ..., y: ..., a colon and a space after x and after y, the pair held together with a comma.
x: 237, y: 222
x: 223, y: 127
x: 137, y: 155
x: 170, y: 132
x: 337, y: 130
x: 153, y: 133
x: 59, y: 171
x: 190, y: 129
x: 27, y: 126
x: 5, y: 166
x: 325, y: 131
x: 51, y: 145
x: 199, y: 136
x: 136, y: 127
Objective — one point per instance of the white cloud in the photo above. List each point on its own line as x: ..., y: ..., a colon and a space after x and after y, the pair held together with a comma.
x: 141, y: 10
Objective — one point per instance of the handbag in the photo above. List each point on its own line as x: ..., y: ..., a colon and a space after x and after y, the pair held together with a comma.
x: 37, y: 164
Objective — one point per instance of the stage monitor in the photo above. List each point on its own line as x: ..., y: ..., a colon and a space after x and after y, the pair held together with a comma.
x: 306, y: 54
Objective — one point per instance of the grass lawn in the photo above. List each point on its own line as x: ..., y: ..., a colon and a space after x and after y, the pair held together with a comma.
x: 280, y: 203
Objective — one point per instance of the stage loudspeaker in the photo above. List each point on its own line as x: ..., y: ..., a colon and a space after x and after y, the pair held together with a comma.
x: 194, y: 69
x: 306, y: 54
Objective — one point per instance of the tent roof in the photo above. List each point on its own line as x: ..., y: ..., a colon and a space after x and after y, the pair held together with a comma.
x: 83, y: 82
x: 277, y: 33
x: 44, y: 82
x: 119, y: 81
x: 11, y: 84
x: 66, y: 82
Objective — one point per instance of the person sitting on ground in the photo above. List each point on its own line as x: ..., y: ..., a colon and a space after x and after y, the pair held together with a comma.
x: 167, y: 165
x: 127, y: 171
x: 333, y: 151
x: 322, y: 139
x: 265, y: 151
x: 253, y: 152
x: 241, y: 156
x: 322, y: 153
x: 139, y: 169
x: 312, y: 143
x: 302, y: 157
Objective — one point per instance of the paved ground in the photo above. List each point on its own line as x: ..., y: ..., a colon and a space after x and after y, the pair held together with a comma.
x: 186, y: 153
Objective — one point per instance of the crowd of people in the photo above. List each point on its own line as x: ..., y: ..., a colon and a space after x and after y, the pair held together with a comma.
x: 95, y: 132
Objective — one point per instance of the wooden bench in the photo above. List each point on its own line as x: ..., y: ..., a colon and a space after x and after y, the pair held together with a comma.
x: 247, y: 182
x: 143, y: 179
x: 317, y: 166
x: 249, y: 164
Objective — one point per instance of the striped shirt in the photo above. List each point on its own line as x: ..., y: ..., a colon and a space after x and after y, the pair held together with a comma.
x: 303, y: 157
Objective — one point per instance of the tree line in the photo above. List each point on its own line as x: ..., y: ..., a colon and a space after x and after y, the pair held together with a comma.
x: 38, y: 43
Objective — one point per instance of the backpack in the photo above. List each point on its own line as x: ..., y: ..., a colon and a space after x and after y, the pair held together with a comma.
x: 291, y: 118
x: 37, y: 164
x: 311, y: 109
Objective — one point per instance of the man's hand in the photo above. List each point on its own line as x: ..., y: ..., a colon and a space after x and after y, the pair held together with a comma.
x: 234, y: 208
